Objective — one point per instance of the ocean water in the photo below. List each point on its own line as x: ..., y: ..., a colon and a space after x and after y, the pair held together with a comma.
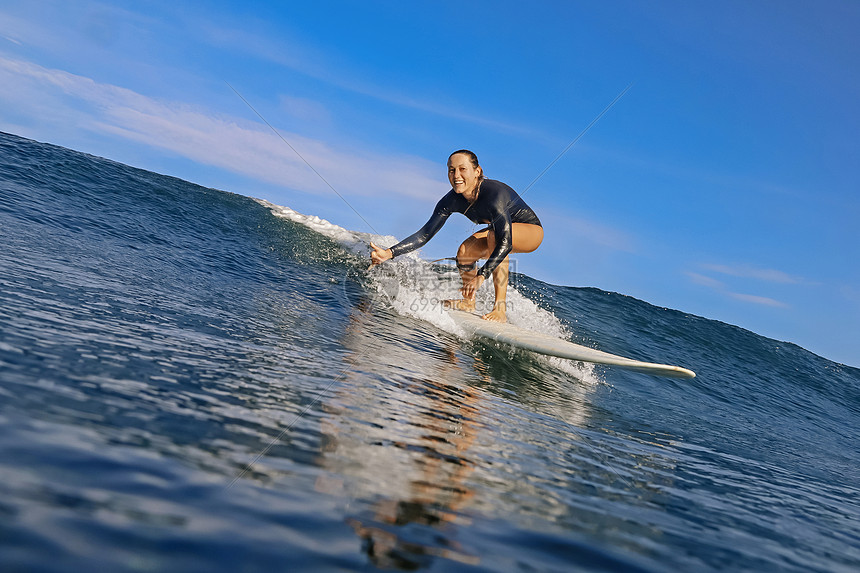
x: 193, y: 380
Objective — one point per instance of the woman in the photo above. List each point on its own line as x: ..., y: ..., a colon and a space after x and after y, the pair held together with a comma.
x: 513, y: 227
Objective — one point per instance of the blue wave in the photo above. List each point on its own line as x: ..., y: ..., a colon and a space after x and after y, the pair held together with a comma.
x: 195, y: 379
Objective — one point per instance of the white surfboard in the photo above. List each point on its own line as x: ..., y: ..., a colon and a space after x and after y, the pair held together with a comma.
x: 544, y: 344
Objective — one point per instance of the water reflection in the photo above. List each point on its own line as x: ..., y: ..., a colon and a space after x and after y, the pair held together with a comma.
x: 428, y: 432
x: 398, y: 441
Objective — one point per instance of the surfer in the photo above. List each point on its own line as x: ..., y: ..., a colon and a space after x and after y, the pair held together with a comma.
x: 512, y: 228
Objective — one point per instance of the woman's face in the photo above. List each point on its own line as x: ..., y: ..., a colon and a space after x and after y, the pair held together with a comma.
x: 462, y: 174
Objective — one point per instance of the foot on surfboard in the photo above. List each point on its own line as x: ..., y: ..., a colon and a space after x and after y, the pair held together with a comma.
x: 497, y: 314
x: 459, y: 304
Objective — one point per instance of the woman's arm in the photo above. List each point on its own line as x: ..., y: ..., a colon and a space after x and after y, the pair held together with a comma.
x: 504, y: 244
x: 425, y: 233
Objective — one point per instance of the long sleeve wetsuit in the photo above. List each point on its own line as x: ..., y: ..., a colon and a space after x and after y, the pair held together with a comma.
x: 496, y: 205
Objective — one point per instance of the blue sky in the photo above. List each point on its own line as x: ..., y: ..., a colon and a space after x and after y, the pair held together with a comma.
x: 723, y: 183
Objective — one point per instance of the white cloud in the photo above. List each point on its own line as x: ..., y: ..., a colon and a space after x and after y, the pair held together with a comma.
x: 314, y: 63
x: 706, y: 281
x: 305, y: 109
x: 747, y: 271
x: 755, y: 299
x: 240, y: 146
x: 743, y: 272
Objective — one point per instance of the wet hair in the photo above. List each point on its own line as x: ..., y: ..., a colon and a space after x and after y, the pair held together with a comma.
x: 473, y: 159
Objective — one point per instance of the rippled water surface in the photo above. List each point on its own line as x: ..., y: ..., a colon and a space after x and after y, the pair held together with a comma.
x: 196, y: 381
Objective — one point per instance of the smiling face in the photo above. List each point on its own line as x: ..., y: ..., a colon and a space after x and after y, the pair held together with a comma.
x: 463, y: 175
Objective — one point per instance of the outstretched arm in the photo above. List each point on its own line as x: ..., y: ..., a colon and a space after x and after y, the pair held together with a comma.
x: 424, y: 234
x: 417, y: 239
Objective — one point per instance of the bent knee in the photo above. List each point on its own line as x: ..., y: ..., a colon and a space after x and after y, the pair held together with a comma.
x: 462, y: 251
x: 471, y: 249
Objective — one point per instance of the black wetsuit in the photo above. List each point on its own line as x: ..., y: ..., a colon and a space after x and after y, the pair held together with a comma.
x: 497, y: 205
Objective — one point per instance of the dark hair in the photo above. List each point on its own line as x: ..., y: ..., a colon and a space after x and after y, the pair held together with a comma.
x: 472, y: 158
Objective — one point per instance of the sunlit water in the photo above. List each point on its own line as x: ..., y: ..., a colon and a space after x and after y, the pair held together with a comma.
x: 196, y: 381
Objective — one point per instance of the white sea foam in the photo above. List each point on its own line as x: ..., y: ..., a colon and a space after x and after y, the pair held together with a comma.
x: 415, y: 287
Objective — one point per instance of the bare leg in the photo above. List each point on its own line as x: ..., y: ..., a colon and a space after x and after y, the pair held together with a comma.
x: 464, y: 304
x: 468, y: 254
x: 525, y: 238
x: 500, y: 283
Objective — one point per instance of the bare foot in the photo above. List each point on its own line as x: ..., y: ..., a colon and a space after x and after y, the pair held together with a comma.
x: 459, y: 304
x: 497, y: 314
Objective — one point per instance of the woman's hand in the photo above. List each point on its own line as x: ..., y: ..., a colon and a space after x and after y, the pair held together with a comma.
x: 378, y: 255
x: 471, y: 287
